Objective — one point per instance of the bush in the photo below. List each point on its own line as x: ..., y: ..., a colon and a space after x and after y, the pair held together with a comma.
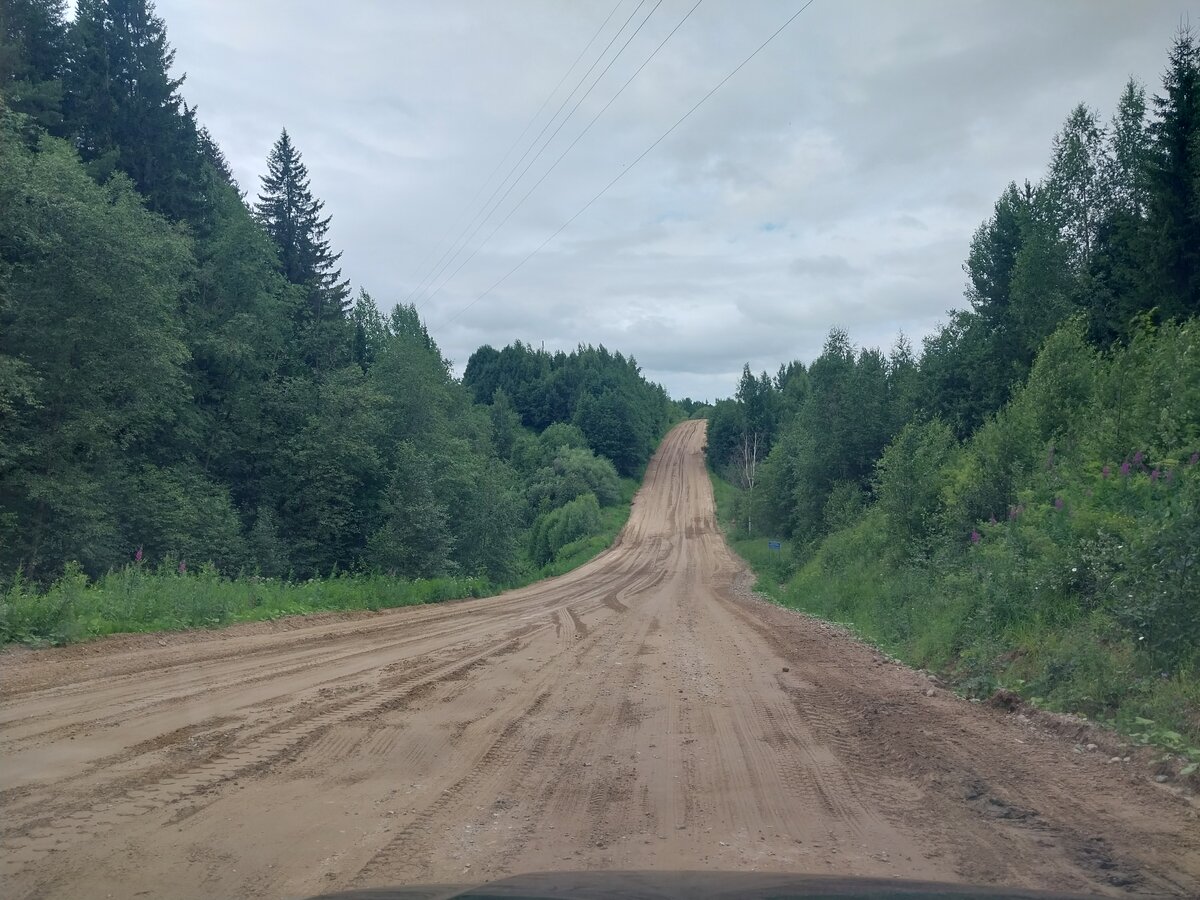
x: 556, y: 529
x: 570, y: 474
x: 909, y: 478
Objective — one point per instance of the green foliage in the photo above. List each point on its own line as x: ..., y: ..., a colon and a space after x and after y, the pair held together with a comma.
x: 909, y: 480
x: 562, y: 434
x: 572, y: 473
x: 123, y: 109
x: 1020, y: 506
x: 580, y: 518
x: 181, y: 378
x: 1083, y: 591
x: 579, y: 551
x: 33, y: 37
x: 414, y: 540
x: 619, y: 414
x: 96, y: 350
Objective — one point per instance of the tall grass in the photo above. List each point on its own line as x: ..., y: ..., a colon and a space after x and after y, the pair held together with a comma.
x: 139, y: 598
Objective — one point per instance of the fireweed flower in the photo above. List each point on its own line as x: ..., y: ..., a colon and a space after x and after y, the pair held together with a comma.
x: 137, y: 556
x: 1125, y: 469
x: 1154, y: 475
x: 182, y: 567
x: 1058, y: 502
x: 1138, y: 458
x: 1193, y: 459
x: 975, y: 537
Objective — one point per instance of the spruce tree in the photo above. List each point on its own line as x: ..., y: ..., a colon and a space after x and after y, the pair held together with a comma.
x: 1175, y: 178
x: 291, y: 215
x: 32, y: 58
x: 123, y: 106
x: 1121, y: 282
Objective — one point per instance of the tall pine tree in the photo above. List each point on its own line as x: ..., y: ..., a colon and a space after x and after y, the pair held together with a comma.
x: 291, y: 215
x: 123, y: 106
x: 32, y: 57
x: 1175, y: 178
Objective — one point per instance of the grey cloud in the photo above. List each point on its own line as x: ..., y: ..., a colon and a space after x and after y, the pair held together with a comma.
x: 825, y: 265
x: 872, y: 138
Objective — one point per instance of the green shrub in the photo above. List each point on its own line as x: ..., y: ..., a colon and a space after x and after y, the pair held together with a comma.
x: 909, y: 478
x: 554, y: 530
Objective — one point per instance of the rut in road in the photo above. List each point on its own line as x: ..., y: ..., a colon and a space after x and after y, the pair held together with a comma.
x: 644, y: 711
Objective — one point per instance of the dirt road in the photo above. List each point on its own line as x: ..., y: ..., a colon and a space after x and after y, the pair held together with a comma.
x: 641, y: 712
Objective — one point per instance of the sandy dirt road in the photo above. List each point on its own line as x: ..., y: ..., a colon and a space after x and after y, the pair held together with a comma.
x: 642, y: 712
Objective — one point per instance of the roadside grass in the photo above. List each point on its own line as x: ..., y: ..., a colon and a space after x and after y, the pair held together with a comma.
x: 771, y: 567
x: 935, y: 614
x: 142, y: 599
x: 139, y: 598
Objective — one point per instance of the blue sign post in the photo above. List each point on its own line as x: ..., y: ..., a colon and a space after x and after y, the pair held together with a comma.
x: 774, y: 545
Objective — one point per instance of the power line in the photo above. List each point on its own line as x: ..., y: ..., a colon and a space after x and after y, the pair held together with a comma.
x: 540, y: 151
x: 625, y: 171
x: 562, y: 155
x: 503, y: 159
x: 456, y: 248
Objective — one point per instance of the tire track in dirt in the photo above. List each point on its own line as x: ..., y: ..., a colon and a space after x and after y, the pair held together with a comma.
x: 643, y: 711
x: 53, y: 835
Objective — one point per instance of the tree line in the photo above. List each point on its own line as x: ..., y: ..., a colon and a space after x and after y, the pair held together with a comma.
x: 1020, y: 499
x: 1108, y: 239
x: 185, y: 374
x: 604, y: 394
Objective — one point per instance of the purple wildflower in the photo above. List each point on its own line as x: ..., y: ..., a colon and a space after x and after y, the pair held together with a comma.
x: 1138, y: 458
x: 182, y: 567
x: 1193, y: 459
x: 1105, y: 472
x: 1154, y: 475
x: 1125, y: 469
x: 976, y: 537
x: 137, y: 556
x: 1058, y: 502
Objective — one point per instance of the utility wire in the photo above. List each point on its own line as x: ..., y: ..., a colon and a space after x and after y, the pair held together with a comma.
x: 503, y: 159
x: 456, y: 248
x: 562, y: 155
x: 625, y: 171
x: 536, y: 157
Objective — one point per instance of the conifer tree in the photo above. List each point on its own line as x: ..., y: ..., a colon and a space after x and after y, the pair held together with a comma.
x: 1175, y: 178
x: 123, y: 106
x: 32, y: 57
x: 291, y: 215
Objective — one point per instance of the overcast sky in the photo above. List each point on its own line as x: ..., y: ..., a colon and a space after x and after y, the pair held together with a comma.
x: 835, y: 180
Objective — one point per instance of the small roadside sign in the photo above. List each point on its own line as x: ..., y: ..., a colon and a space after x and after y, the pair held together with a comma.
x: 774, y: 545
